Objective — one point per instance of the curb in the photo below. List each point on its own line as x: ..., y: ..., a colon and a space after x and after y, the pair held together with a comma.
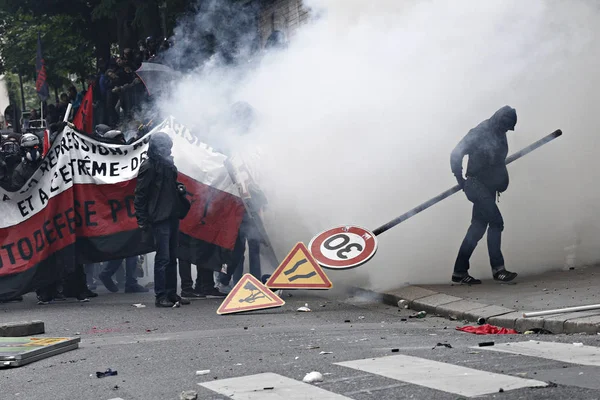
x: 457, y: 308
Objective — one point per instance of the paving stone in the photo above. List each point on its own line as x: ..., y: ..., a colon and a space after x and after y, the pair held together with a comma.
x: 505, y: 320
x: 408, y: 293
x: 22, y: 328
x: 430, y: 303
x: 582, y: 325
x: 525, y: 324
x: 487, y: 312
x: 458, y: 308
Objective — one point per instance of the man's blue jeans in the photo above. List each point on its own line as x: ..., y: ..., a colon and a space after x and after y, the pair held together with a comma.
x: 165, y: 261
x: 486, y: 216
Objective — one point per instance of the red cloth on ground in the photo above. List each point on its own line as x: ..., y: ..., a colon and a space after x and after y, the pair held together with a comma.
x: 487, y: 329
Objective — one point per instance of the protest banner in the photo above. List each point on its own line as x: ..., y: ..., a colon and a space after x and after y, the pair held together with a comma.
x: 78, y: 208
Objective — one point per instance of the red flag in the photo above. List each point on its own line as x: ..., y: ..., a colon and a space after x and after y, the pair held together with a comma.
x: 46, y: 145
x: 84, y: 119
x: 40, y: 68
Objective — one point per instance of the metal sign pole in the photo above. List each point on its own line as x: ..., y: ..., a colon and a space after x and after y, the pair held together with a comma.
x: 456, y: 188
x: 561, y: 311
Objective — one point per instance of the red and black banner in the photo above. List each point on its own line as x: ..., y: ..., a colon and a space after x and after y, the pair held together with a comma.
x: 78, y: 208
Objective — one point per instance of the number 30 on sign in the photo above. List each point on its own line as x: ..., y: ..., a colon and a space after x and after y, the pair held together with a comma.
x: 343, y: 247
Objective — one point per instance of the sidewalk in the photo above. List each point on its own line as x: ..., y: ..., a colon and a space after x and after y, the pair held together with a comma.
x: 503, y: 304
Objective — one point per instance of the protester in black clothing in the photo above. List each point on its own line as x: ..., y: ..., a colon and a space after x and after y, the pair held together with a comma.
x: 62, y: 106
x: 158, y: 210
x: 487, y: 176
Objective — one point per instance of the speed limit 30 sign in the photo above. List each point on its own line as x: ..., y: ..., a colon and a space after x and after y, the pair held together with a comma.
x: 343, y: 247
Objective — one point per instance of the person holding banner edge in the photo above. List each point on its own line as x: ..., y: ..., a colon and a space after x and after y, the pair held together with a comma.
x: 158, y: 208
x: 487, y: 177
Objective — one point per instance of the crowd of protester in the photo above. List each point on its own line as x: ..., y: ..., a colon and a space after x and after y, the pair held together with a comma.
x: 118, y: 95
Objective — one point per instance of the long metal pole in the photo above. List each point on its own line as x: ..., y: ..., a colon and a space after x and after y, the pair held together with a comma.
x: 22, y: 93
x: 456, y: 188
x: 561, y: 311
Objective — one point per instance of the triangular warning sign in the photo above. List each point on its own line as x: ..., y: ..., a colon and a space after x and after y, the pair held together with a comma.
x: 299, y: 270
x: 248, y: 295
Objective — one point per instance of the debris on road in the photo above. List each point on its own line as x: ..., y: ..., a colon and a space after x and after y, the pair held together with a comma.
x: 361, y: 317
x: 395, y: 350
x: 312, y: 347
x: 447, y: 345
x: 188, y: 395
x: 486, y: 329
x: 420, y: 314
x: 313, y: 377
x: 347, y: 321
x: 578, y: 344
x: 203, y: 372
x: 304, y: 309
x: 139, y: 305
x: 108, y: 372
x: 486, y: 344
x: 402, y: 304
x: 326, y: 352
x: 480, y: 321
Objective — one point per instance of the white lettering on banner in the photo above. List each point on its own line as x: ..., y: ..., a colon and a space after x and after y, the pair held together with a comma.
x: 78, y: 159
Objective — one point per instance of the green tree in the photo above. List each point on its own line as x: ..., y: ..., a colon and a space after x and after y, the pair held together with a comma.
x: 64, y: 52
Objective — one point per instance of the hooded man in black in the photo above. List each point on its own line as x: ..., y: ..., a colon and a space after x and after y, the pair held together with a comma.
x: 487, y: 176
x: 157, y: 208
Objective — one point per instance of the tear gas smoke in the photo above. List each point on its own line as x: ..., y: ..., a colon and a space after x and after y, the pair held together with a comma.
x: 356, y: 120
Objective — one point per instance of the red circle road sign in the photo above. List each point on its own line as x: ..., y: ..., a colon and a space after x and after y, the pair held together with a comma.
x: 343, y: 247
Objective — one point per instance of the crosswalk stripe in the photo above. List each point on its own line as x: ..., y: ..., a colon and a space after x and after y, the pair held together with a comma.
x: 269, y: 386
x: 441, y: 376
x: 565, y: 352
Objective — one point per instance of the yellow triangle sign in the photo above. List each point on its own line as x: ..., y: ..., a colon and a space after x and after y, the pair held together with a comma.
x: 248, y: 295
x: 299, y: 270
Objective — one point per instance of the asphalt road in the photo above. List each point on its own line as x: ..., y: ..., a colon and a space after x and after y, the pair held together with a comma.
x: 158, y: 351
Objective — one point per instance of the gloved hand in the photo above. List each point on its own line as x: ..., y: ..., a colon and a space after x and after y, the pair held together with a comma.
x: 461, y: 181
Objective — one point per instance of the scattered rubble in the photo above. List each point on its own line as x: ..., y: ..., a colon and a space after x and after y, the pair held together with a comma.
x: 313, y: 377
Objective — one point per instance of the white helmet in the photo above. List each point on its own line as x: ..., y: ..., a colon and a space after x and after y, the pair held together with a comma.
x: 29, y: 140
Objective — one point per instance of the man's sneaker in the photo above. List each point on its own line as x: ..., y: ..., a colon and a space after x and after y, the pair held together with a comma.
x: 180, y: 300
x: 223, y: 288
x: 465, y: 280
x: 89, y: 294
x: 137, y: 288
x: 108, y: 283
x: 504, y: 275
x: 43, y: 300
x: 213, y: 293
x: 190, y: 294
x: 82, y: 297
x: 59, y: 296
x: 164, y: 302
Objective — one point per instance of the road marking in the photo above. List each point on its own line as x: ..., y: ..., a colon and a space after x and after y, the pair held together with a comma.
x: 565, y: 352
x: 441, y: 376
x: 253, y: 387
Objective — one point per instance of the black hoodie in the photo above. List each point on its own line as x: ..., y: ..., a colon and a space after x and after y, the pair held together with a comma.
x: 156, y: 198
x: 487, y: 148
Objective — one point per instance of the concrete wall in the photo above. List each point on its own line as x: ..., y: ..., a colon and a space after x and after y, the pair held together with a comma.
x: 282, y: 15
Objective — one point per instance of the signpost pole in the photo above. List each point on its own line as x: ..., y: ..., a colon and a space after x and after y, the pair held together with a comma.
x: 456, y: 188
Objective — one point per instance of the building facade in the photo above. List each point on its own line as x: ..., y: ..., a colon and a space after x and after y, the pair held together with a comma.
x: 281, y: 18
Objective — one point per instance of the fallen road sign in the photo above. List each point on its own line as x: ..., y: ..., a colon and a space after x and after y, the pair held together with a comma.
x: 18, y: 351
x: 343, y: 247
x: 299, y: 270
x: 249, y: 294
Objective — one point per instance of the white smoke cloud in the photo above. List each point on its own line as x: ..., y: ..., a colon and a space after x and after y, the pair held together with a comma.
x: 358, y: 116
